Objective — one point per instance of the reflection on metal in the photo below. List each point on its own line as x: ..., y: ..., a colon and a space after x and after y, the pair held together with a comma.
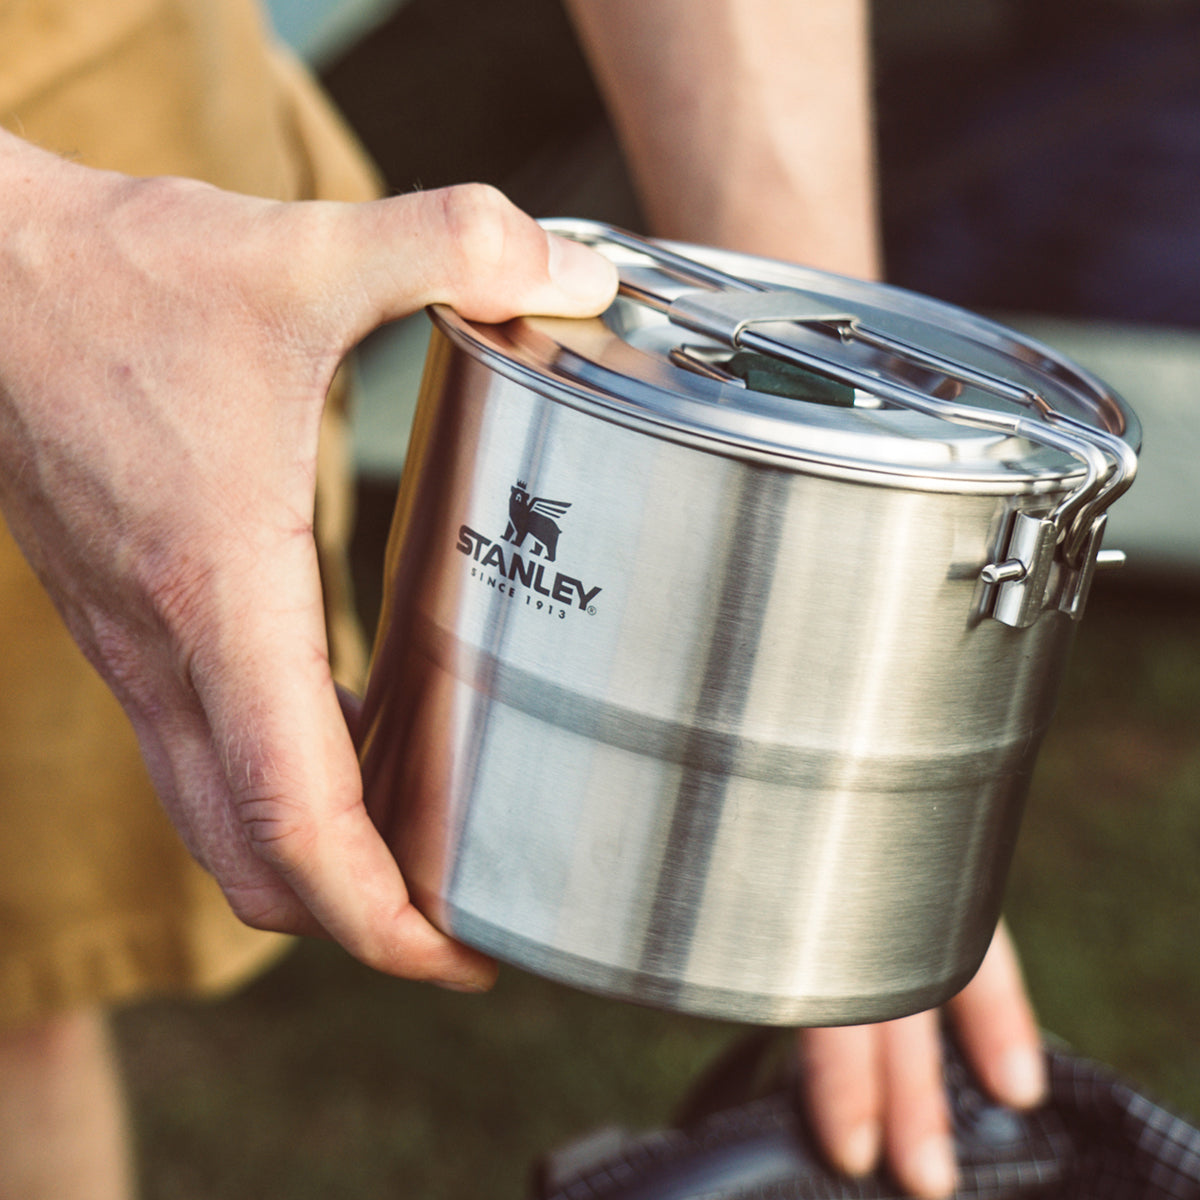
x: 741, y: 737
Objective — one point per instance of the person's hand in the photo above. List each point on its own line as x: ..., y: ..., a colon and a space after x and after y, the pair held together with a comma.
x: 878, y: 1089
x: 165, y: 351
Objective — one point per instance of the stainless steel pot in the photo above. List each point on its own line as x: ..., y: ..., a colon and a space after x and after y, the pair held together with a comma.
x: 721, y: 632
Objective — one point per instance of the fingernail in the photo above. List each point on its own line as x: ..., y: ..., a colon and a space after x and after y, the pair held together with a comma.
x: 471, y: 987
x: 1023, y: 1077
x: 860, y: 1150
x: 931, y: 1171
x: 583, y: 274
x: 478, y: 977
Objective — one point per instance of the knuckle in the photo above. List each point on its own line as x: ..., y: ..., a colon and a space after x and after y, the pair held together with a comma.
x: 262, y: 906
x: 478, y: 221
x: 280, y: 832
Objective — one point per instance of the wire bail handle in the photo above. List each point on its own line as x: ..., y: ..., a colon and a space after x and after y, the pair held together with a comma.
x: 1045, y: 560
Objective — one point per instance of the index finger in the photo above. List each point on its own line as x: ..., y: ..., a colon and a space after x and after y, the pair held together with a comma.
x: 296, y: 793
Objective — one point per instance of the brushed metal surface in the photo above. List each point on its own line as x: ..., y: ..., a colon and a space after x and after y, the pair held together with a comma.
x: 729, y: 738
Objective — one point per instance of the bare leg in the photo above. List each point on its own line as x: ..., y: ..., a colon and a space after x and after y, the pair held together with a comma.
x: 63, y: 1131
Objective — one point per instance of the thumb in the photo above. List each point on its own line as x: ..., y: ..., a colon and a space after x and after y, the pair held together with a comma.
x: 466, y: 246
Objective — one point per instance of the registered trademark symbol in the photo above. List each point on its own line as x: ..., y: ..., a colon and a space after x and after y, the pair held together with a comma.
x: 591, y: 610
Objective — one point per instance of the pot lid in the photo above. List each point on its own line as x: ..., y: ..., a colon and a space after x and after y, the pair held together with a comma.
x: 749, y: 356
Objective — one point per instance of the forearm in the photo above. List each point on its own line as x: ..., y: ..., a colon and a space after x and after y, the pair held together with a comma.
x: 746, y: 123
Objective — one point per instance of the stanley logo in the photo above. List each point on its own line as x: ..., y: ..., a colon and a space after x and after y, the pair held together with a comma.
x: 534, y: 518
x: 534, y: 515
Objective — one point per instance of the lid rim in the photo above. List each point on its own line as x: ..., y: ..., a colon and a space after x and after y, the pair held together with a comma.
x: 576, y: 394
x: 959, y: 402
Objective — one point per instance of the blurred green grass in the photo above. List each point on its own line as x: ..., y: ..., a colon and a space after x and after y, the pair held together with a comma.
x: 324, y: 1080
x: 1105, y: 894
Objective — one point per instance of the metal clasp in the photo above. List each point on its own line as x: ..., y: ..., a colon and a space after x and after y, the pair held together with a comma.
x: 1044, y: 560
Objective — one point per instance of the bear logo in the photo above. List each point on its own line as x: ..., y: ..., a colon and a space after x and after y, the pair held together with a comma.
x: 534, y: 516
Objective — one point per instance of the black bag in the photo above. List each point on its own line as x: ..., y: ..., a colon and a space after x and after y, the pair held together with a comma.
x: 741, y: 1135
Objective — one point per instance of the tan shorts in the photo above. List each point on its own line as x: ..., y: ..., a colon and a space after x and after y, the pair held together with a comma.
x: 99, y: 901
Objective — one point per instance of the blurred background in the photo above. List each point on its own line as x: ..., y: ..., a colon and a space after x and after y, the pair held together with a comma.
x: 1041, y: 163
